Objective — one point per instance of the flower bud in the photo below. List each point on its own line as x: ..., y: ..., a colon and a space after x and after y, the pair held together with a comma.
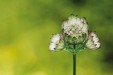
x: 93, y: 41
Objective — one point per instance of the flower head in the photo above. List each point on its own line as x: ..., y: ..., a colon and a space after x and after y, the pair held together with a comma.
x: 74, y: 36
x: 75, y: 26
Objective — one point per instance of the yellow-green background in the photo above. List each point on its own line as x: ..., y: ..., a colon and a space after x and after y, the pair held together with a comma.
x: 26, y: 27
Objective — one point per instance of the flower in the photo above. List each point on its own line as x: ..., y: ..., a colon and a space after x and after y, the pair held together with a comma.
x: 93, y: 41
x: 75, y: 36
x: 56, y: 43
x: 75, y: 33
x: 75, y: 26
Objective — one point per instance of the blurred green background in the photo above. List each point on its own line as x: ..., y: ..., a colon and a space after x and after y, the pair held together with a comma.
x: 26, y: 27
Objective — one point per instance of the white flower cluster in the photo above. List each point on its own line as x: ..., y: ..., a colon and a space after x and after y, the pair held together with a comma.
x: 56, y: 43
x: 75, y: 26
x: 93, y: 41
x: 75, y: 36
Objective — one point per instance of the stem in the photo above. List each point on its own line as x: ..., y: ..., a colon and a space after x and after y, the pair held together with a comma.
x: 74, y: 64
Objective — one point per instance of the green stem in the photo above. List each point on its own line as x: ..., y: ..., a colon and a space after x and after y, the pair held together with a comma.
x: 74, y: 64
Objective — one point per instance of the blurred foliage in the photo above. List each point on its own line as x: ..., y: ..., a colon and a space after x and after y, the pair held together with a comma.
x: 26, y: 27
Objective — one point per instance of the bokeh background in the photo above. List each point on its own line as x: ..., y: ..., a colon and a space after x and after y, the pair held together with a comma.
x: 26, y: 27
